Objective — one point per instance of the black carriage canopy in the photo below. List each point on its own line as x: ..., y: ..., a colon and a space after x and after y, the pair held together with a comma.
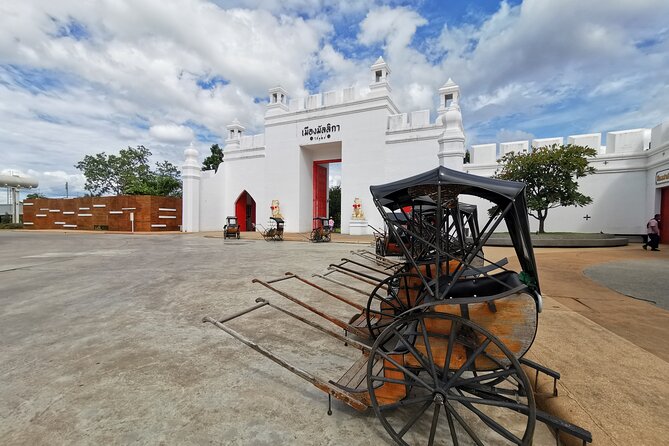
x: 508, y: 196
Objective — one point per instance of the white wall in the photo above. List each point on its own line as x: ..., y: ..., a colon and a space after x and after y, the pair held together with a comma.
x: 212, y: 202
x: 245, y: 175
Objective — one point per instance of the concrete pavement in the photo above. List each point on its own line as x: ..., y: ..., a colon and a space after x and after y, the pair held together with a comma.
x: 102, y: 342
x: 611, y: 349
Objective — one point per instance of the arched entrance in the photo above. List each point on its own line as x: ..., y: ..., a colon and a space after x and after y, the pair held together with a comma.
x: 245, y: 210
x: 321, y: 186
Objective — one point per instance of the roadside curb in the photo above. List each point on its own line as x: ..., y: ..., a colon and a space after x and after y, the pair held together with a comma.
x: 558, y: 242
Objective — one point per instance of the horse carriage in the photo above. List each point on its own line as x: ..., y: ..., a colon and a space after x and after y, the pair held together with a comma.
x: 321, y: 231
x: 231, y: 228
x: 275, y: 231
x: 443, y: 334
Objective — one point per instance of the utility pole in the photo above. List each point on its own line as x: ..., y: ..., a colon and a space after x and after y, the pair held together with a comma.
x: 67, y: 190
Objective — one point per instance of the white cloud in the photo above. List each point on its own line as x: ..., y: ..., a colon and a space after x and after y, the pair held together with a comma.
x: 171, y: 133
x: 137, y: 76
x: 393, y: 26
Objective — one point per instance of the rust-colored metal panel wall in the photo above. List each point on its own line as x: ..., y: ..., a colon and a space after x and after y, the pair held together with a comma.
x: 151, y: 213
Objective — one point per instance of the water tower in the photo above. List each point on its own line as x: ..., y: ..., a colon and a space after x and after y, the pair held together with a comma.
x: 14, y: 183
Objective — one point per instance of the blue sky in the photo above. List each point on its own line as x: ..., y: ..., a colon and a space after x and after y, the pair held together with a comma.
x: 83, y: 77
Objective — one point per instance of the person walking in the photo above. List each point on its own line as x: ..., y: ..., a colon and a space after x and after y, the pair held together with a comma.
x: 653, y: 230
x: 331, y: 224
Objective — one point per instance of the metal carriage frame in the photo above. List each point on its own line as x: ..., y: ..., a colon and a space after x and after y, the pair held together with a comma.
x: 231, y: 228
x: 448, y: 360
x: 274, y: 232
x: 321, y: 231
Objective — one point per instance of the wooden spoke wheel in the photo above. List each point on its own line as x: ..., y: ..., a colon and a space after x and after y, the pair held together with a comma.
x: 390, y: 298
x: 445, y: 380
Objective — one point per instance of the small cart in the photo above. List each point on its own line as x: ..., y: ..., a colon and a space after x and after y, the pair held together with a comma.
x: 275, y: 231
x: 321, y: 231
x: 231, y: 228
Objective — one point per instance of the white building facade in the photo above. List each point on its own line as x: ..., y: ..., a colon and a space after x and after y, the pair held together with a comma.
x: 285, y: 169
x: 288, y: 164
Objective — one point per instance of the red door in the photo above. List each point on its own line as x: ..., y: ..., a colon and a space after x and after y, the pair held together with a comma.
x: 664, y: 216
x: 320, y: 191
x: 245, y: 211
x: 240, y: 211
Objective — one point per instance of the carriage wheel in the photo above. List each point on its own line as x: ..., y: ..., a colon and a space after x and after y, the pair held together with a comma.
x: 380, y: 247
x: 436, y: 378
x: 390, y: 298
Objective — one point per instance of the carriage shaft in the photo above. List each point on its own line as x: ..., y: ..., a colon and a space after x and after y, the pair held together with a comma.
x: 345, y: 339
x: 355, y: 274
x: 345, y: 260
x: 357, y: 290
x: 339, y: 323
x: 242, y: 313
x: 367, y: 255
x: 329, y: 293
x: 319, y: 383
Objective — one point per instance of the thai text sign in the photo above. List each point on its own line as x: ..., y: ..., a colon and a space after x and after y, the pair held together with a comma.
x: 321, y: 132
x: 662, y: 176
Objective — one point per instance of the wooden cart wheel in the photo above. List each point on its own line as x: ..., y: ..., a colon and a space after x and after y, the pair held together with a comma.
x: 436, y: 378
x: 390, y: 298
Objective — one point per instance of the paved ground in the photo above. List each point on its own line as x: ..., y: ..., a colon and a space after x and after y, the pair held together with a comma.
x: 611, y: 349
x: 646, y: 279
x: 101, y: 342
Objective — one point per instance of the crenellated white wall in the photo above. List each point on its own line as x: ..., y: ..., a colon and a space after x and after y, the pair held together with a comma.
x: 377, y: 144
x: 623, y: 189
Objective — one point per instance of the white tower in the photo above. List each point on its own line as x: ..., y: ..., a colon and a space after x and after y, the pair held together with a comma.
x: 234, y: 135
x: 380, y: 85
x: 190, y: 173
x: 278, y: 101
x: 452, y: 141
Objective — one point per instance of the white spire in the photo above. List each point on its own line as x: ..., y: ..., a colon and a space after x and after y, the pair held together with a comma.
x: 452, y: 141
x: 380, y: 70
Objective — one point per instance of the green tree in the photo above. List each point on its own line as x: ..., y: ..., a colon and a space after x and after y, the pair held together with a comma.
x: 35, y: 195
x: 129, y: 173
x: 165, y: 180
x: 212, y: 161
x: 551, y: 175
x: 334, y: 204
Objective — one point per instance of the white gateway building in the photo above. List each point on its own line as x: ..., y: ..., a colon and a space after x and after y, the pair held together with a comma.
x: 285, y: 170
